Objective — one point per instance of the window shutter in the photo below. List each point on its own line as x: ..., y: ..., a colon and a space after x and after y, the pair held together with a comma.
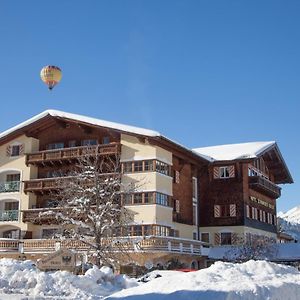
x: 247, y: 211
x: 231, y: 171
x: 8, y: 151
x: 177, y: 206
x: 217, y: 238
x: 232, y: 210
x: 217, y: 211
x: 177, y: 177
x: 22, y: 149
x: 216, y: 172
x: 234, y: 238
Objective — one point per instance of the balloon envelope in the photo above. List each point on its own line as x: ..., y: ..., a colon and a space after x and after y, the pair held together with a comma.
x: 51, y: 75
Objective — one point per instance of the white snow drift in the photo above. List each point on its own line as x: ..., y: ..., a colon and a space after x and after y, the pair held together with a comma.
x: 250, y: 280
x: 258, y: 280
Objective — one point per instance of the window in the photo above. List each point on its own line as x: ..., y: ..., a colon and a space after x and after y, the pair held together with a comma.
x: 138, y: 166
x: 55, y: 146
x: 195, y: 219
x: 225, y: 238
x: 137, y: 198
x: 11, y: 205
x: 162, y: 199
x: 127, y: 199
x: 177, y: 206
x: 91, y: 142
x: 12, y: 177
x: 51, y: 203
x: 162, y: 168
x: 15, y: 150
x: 147, y: 230
x: 148, y: 165
x: 72, y: 144
x: 225, y: 210
x: 205, y: 237
x: 224, y: 172
x: 176, y: 176
x: 137, y: 230
x: 148, y: 198
x: 194, y: 235
x: 195, y: 188
x: 127, y: 167
x: 106, y: 140
x: 48, y: 233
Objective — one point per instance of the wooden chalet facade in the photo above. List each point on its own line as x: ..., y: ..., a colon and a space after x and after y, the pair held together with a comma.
x: 188, y: 194
x: 238, y: 194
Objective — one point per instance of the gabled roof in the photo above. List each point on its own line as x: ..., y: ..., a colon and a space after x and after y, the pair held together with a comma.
x: 246, y: 151
x: 234, y: 151
x: 97, y: 122
x: 205, y: 154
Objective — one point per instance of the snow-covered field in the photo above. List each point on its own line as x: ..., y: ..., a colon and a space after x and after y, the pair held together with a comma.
x: 250, y: 280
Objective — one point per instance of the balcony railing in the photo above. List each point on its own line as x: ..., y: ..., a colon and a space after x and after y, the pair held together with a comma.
x: 55, y: 183
x: 9, y: 186
x: 70, y: 154
x: 9, y: 215
x: 147, y: 244
x: 264, y: 185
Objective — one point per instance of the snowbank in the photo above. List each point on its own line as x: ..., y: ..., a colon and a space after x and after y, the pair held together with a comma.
x: 23, y: 278
x: 250, y: 280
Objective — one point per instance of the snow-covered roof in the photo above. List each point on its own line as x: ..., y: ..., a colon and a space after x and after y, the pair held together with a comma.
x: 233, y: 151
x: 98, y: 122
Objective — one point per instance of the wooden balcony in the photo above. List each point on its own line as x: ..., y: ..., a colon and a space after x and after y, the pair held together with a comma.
x: 265, y: 186
x: 50, y: 157
x: 45, y: 185
x: 40, y: 216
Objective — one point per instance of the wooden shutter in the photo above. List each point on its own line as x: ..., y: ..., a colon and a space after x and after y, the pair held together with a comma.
x: 177, y: 206
x: 232, y: 210
x: 231, y: 171
x: 217, y: 211
x: 247, y: 211
x: 234, y: 238
x: 217, y: 238
x: 216, y: 172
x: 22, y: 149
x: 8, y: 150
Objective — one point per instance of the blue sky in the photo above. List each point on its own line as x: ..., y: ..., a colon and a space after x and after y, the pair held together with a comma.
x: 200, y: 72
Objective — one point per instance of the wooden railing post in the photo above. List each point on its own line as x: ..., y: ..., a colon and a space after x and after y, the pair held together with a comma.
x: 169, y: 246
x: 21, y: 247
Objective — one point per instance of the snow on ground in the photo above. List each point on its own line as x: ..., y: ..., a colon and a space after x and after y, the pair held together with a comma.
x: 251, y: 280
x: 23, y: 278
x: 258, y: 280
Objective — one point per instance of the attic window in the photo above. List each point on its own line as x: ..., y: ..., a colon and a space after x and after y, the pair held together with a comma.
x: 15, y: 150
x: 224, y: 172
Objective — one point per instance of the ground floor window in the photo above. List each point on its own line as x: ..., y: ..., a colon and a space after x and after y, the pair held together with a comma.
x: 205, y: 237
x: 226, y: 238
x: 11, y: 234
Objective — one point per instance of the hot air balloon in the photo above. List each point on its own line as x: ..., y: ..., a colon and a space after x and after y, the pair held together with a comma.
x: 51, y: 75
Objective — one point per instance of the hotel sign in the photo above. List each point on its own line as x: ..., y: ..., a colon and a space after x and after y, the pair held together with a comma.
x: 261, y: 202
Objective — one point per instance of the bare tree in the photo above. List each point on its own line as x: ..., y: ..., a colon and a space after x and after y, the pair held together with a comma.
x: 253, y: 247
x: 91, y: 209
